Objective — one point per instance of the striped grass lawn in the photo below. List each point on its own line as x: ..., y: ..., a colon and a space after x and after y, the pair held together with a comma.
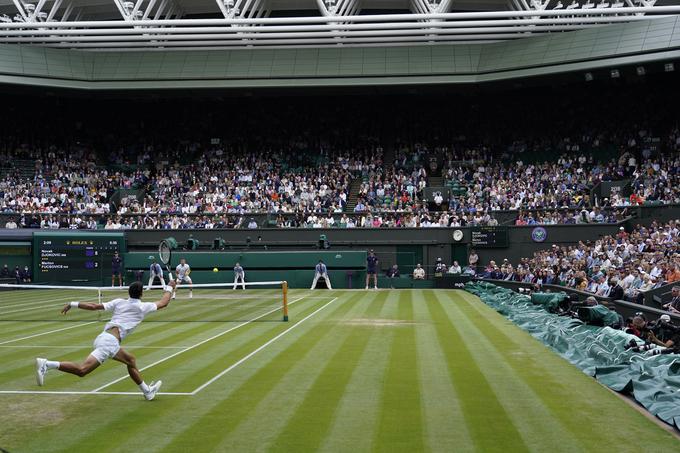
x: 428, y: 370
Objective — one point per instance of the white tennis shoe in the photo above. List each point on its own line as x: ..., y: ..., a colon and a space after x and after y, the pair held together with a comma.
x: 153, y: 389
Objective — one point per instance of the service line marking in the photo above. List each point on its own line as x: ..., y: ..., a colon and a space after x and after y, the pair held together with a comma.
x: 57, y: 392
x: 189, y: 348
x: 248, y: 356
x: 48, y: 332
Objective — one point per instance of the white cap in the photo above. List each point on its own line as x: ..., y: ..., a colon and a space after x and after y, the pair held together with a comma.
x: 665, y: 318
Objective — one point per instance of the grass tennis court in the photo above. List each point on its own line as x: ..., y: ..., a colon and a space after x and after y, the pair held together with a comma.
x: 410, y: 370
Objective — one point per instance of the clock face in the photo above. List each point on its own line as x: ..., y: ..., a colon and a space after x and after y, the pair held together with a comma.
x: 457, y: 235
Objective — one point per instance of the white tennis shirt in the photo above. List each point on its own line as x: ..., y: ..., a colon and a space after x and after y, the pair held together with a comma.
x: 127, y: 314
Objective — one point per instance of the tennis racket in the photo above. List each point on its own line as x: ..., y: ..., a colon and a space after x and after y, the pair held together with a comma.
x: 165, y: 255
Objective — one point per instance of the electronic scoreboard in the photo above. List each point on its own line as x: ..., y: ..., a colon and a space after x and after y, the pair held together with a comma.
x: 75, y: 257
x: 490, y: 236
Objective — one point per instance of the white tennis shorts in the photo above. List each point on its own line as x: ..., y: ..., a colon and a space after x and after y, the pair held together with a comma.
x: 185, y: 279
x: 105, y: 347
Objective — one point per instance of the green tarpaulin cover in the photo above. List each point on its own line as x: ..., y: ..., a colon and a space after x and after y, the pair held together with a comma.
x: 654, y: 381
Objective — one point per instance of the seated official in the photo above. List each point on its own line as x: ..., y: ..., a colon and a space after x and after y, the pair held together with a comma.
x: 392, y: 273
x: 418, y: 273
x: 455, y: 268
x: 439, y: 268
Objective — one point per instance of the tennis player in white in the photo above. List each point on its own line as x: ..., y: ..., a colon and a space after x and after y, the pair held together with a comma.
x: 183, y: 270
x: 127, y: 315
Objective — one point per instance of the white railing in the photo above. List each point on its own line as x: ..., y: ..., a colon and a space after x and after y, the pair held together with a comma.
x: 320, y: 31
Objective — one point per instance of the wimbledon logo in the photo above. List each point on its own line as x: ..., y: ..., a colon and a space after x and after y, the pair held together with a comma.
x: 539, y: 234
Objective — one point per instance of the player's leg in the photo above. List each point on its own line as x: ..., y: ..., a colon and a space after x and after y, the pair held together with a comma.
x: 130, y: 361
x: 316, y: 279
x: 42, y: 366
x: 105, y: 347
x: 191, y: 286
x: 80, y: 369
x: 174, y: 290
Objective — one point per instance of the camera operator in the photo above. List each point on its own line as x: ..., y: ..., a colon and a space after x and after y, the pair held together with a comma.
x: 638, y: 327
x: 669, y: 342
x: 669, y: 333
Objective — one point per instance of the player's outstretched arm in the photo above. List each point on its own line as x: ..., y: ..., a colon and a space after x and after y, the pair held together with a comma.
x: 167, y: 295
x: 82, y: 305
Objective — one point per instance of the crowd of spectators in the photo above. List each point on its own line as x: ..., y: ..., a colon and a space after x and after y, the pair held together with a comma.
x: 623, y: 266
x: 359, y: 162
x: 169, y: 195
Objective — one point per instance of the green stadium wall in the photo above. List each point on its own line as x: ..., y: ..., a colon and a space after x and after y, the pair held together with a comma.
x: 346, y: 268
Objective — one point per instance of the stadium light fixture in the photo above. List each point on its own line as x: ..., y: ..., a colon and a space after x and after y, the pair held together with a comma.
x: 589, y: 76
x: 588, y: 5
x: 669, y: 67
x: 640, y: 70
x: 615, y: 74
x: 558, y: 6
x: 573, y: 5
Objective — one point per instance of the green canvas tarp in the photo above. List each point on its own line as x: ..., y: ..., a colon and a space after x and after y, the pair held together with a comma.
x: 549, y: 301
x: 654, y: 381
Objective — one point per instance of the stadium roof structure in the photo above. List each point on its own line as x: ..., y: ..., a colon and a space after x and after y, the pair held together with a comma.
x: 143, y: 25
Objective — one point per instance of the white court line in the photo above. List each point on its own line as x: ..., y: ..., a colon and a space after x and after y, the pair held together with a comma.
x: 45, y: 303
x: 42, y: 307
x: 57, y: 392
x: 86, y: 346
x: 243, y: 359
x: 47, y: 333
x: 197, y: 344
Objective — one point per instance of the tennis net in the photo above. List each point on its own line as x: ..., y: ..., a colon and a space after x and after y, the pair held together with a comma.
x: 214, y: 302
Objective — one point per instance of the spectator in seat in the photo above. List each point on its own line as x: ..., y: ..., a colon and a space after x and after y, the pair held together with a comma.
x: 674, y: 305
x: 17, y: 275
x: 418, y: 273
x: 4, y: 272
x: 616, y: 291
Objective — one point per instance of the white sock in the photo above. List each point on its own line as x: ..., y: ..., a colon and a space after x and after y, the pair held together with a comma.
x: 51, y: 365
x: 144, y: 387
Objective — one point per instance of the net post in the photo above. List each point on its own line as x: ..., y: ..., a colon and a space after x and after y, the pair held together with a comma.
x: 100, y: 300
x: 284, y: 286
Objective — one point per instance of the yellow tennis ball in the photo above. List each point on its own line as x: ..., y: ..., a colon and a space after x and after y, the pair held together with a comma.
x: 215, y: 269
